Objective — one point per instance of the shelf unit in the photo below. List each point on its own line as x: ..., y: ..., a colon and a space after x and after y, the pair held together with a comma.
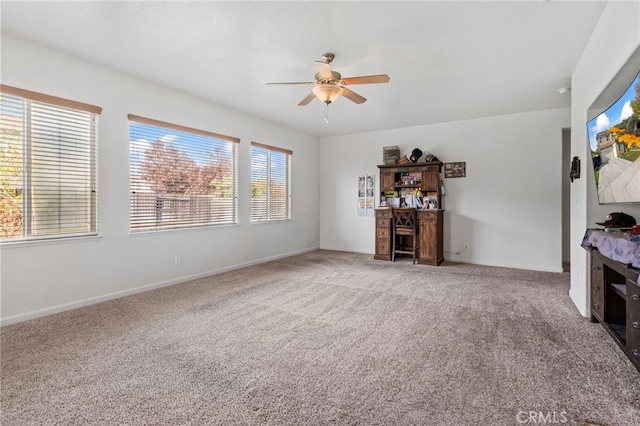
x: 423, y: 177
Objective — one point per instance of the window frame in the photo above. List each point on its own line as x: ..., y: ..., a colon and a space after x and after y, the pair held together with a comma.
x: 269, y: 149
x: 43, y: 101
x: 183, y: 224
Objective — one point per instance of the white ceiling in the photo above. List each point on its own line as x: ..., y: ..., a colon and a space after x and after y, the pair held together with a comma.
x: 448, y: 60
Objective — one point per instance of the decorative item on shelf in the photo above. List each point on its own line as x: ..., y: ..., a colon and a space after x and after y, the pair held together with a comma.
x: 415, y: 155
x: 390, y: 154
x: 404, y: 160
x: 430, y: 157
x: 383, y: 200
x: 409, y: 201
x: 417, y: 194
x: 634, y: 234
x: 433, y: 203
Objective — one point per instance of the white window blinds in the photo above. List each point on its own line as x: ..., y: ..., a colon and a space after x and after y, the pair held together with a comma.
x: 47, y: 166
x: 270, y: 183
x: 180, y: 177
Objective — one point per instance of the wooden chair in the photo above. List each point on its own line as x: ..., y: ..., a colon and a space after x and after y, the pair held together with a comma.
x: 405, y: 224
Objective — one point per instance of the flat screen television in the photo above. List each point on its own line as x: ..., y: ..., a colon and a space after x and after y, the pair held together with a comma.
x: 614, y: 142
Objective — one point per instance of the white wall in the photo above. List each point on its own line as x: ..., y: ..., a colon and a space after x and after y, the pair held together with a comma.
x: 42, y: 278
x: 614, y: 39
x: 508, y: 210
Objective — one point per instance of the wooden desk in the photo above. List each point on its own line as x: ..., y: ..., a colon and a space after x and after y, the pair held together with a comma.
x: 430, y: 236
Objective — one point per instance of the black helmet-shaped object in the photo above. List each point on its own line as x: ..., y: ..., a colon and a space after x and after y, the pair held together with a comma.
x: 415, y: 155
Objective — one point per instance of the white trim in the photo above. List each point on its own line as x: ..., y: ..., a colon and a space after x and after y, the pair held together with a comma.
x: 98, y: 299
x: 461, y: 260
x: 506, y: 265
x: 348, y: 249
x: 7, y: 244
x: 575, y: 300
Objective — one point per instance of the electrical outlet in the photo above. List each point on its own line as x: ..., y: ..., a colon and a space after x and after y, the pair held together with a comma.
x: 178, y: 260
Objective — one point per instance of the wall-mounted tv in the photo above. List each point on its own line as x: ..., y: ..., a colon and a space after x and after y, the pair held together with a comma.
x: 614, y: 141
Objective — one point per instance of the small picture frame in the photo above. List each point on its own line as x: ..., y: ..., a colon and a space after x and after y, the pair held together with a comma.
x: 455, y: 170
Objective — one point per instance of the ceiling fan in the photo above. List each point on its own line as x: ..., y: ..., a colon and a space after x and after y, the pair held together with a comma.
x: 329, y: 84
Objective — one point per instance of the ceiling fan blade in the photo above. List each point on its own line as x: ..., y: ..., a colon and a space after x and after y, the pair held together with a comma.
x: 366, y: 79
x: 324, y: 70
x: 308, y: 99
x: 352, y: 96
x: 296, y: 82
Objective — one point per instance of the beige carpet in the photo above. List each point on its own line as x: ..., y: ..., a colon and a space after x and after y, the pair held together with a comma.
x: 324, y: 338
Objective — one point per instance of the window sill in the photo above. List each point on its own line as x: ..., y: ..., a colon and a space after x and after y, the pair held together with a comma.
x: 261, y: 222
x: 46, y: 241
x: 149, y: 232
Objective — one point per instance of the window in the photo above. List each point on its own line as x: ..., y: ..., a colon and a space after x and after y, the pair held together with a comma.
x: 270, y: 183
x: 47, y: 166
x: 180, y: 177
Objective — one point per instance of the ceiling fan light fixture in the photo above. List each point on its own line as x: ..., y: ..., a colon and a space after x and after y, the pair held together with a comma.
x: 328, y: 85
x: 327, y: 93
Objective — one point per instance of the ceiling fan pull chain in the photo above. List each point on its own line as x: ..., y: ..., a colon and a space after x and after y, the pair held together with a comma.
x: 326, y: 113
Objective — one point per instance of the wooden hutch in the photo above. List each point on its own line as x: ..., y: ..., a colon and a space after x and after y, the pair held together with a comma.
x: 409, y: 179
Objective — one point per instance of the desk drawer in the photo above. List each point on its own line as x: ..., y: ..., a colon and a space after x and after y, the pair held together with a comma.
x: 384, y: 233
x: 597, y: 287
x: 597, y: 301
x: 382, y: 247
x: 633, y: 300
x: 383, y: 223
x: 633, y: 321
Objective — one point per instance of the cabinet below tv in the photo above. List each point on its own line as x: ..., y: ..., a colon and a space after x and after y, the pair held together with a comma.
x: 615, y: 302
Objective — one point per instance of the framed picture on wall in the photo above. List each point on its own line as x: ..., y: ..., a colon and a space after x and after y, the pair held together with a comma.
x: 366, y: 191
x: 455, y: 170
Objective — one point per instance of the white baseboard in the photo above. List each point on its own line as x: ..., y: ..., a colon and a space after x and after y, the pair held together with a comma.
x: 116, y: 295
x: 505, y: 265
x: 350, y: 250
